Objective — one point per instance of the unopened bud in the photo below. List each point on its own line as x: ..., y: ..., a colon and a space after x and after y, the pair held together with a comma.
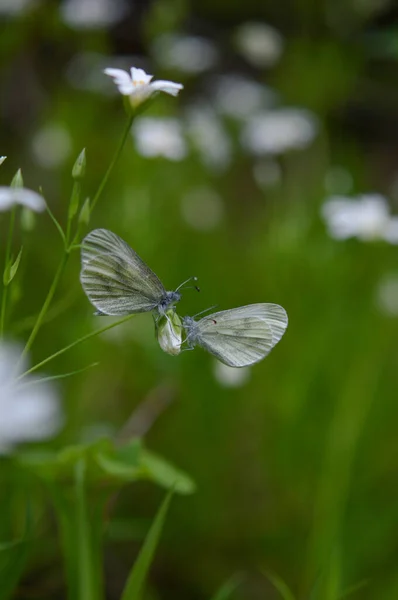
x: 17, y: 180
x: 79, y: 168
x: 84, y: 217
x: 169, y: 332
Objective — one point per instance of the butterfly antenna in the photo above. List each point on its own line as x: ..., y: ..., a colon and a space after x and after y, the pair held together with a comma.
x: 205, y: 311
x: 191, y: 286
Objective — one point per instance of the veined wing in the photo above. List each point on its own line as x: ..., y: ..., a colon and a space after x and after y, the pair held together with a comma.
x: 114, y: 287
x: 273, y: 314
x: 242, y: 336
x: 103, y: 241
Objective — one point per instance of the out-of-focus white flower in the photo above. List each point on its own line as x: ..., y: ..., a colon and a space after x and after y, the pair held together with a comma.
x: 229, y: 376
x: 29, y: 408
x: 387, y: 295
x: 267, y: 173
x: 279, y: 130
x: 52, y: 145
x: 2, y: 159
x: 159, y: 137
x: 186, y: 53
x: 209, y: 137
x: 338, y: 180
x: 139, y: 85
x: 239, y: 97
x: 13, y: 7
x: 366, y: 217
x: 92, y: 14
x: 10, y: 196
x: 202, y: 209
x: 259, y: 43
x: 169, y: 332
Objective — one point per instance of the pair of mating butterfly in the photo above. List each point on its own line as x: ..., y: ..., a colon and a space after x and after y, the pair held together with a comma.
x: 118, y: 282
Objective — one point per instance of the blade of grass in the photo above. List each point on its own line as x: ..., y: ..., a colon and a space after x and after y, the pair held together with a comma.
x: 228, y: 588
x: 136, y: 579
x: 280, y: 585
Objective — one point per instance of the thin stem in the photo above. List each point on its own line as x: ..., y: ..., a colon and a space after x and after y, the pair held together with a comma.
x: 47, y: 302
x: 7, y: 260
x: 75, y: 343
x: 113, y: 162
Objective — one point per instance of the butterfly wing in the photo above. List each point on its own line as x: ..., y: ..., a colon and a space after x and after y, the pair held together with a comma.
x: 114, y: 278
x: 242, y: 336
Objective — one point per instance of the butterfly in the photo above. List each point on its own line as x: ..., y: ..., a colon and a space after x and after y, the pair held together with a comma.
x: 240, y: 336
x: 117, y: 281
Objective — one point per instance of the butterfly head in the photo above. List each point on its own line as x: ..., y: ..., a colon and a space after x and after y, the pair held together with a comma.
x: 169, y: 299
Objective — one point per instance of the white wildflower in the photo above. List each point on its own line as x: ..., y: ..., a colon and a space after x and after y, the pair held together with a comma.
x: 169, y: 332
x: 186, y: 53
x: 159, y: 137
x: 366, y: 218
x: 239, y: 97
x: 92, y: 14
x: 229, y: 376
x: 279, y: 130
x: 139, y: 86
x: 29, y: 408
x: 209, y: 137
x: 2, y: 159
x: 259, y: 43
x: 10, y: 196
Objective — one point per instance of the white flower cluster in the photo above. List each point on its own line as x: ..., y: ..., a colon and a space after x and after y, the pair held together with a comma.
x: 366, y: 217
x: 29, y: 408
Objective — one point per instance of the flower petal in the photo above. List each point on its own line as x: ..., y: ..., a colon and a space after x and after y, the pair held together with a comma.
x: 2, y: 159
x: 140, y: 76
x: 30, y: 199
x: 122, y: 79
x: 169, y: 87
x: 7, y: 199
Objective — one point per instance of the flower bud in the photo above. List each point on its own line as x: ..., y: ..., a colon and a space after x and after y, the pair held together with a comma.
x: 17, y: 180
x: 79, y: 168
x: 169, y: 332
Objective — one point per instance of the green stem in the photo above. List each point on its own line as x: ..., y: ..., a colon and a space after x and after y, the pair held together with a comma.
x: 75, y: 343
x: 46, y: 305
x: 113, y: 162
x: 7, y: 260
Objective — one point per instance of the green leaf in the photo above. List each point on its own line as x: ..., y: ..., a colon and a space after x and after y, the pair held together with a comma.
x: 57, y: 225
x: 13, y: 558
x: 11, y: 269
x: 228, y: 588
x: 123, y: 463
x: 280, y: 585
x: 160, y: 471
x: 136, y: 580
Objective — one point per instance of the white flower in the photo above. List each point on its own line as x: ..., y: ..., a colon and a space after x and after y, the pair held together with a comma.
x: 239, y: 97
x: 13, y: 7
x: 366, y: 217
x: 187, y: 53
x: 169, y: 332
x: 92, y: 14
x: 29, y: 408
x: 139, y: 87
x: 159, y: 137
x: 2, y: 159
x: 229, y: 376
x: 209, y: 137
x: 260, y: 44
x: 279, y: 130
x: 10, y: 196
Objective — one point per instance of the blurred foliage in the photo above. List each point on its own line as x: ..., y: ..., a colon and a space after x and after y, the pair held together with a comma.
x: 295, y: 470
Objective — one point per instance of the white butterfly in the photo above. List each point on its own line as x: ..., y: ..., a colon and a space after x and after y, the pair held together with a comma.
x: 117, y: 281
x: 240, y: 336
